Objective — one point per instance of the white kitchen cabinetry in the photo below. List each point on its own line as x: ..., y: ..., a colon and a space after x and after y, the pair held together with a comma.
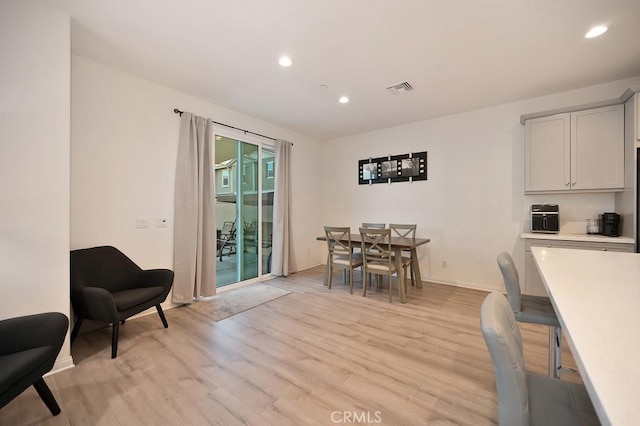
x: 533, y: 284
x: 632, y: 108
x: 577, y: 151
x: 636, y: 123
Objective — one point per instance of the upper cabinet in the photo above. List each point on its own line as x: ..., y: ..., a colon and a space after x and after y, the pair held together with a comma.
x: 577, y: 151
x: 634, y: 104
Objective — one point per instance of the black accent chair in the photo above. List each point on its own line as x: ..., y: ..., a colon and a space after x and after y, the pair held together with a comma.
x: 29, y: 346
x: 107, y: 286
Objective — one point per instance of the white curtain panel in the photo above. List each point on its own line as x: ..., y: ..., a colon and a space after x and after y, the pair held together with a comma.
x: 281, y: 210
x: 194, y: 247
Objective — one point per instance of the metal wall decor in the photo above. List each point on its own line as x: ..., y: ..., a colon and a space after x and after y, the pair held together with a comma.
x: 393, y: 168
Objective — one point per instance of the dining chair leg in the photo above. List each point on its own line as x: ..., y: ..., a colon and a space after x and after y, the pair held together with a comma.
x: 391, y: 288
x: 404, y: 281
x: 412, y: 274
x: 402, y: 291
x: 351, y: 280
x: 330, y: 275
x: 326, y: 270
x: 365, y: 283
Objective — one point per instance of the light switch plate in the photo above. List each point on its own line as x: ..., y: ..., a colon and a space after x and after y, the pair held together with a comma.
x: 142, y: 223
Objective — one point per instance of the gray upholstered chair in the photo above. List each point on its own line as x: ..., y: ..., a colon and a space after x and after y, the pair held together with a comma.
x: 405, y: 231
x: 29, y: 346
x: 527, y: 398
x: 532, y: 309
x: 377, y: 256
x: 341, y: 253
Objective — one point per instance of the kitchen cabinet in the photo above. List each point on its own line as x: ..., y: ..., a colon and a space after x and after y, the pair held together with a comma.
x: 625, y: 202
x: 533, y: 284
x: 634, y: 105
x: 576, y: 151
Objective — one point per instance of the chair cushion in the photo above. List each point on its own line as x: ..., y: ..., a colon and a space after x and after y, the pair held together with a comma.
x: 553, y: 401
x: 15, y: 366
x: 538, y: 310
x: 382, y: 267
x: 129, y: 298
x: 344, y: 260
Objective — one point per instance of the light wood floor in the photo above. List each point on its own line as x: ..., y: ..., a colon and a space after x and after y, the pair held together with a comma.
x: 313, y: 357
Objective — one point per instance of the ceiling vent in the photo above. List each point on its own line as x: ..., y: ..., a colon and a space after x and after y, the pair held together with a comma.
x: 400, y: 88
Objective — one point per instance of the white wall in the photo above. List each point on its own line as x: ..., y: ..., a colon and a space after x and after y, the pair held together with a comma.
x: 123, y: 156
x: 34, y: 161
x: 472, y: 206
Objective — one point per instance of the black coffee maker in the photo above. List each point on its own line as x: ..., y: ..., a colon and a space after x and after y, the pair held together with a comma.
x: 610, y: 224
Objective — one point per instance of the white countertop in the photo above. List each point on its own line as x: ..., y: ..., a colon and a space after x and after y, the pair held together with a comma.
x: 596, y: 238
x: 596, y: 295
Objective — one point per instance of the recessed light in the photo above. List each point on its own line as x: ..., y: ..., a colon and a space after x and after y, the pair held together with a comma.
x: 285, y: 61
x: 343, y: 100
x: 596, y: 31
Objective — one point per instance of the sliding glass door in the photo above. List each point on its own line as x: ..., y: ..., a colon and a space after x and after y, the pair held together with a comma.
x: 267, y: 190
x: 244, y: 174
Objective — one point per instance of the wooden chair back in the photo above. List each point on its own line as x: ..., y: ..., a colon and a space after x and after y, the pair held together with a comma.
x: 403, y: 230
x: 376, y: 246
x: 374, y: 225
x: 338, y: 241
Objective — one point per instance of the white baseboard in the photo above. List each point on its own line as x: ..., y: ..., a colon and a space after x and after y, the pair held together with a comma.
x: 61, y: 364
x: 473, y: 286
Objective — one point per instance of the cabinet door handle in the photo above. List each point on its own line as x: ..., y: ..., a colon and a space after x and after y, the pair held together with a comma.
x: 549, y: 245
x: 573, y: 183
x: 604, y: 249
x: 566, y: 183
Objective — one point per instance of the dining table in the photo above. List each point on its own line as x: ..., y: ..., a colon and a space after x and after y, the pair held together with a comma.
x: 596, y: 296
x: 398, y: 245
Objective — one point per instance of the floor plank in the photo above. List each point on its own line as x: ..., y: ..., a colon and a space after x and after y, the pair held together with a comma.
x: 316, y: 356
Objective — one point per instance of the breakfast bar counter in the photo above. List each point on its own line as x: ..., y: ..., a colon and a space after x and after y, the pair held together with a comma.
x: 596, y: 295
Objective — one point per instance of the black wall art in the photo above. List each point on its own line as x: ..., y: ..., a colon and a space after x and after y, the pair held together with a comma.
x: 393, y: 168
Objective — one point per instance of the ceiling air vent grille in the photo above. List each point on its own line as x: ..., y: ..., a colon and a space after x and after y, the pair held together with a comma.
x: 400, y: 88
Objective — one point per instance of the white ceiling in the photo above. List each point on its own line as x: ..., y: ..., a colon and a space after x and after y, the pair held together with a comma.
x: 459, y: 55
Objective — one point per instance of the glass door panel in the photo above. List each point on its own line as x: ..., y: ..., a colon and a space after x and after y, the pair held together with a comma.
x: 268, y: 178
x: 238, y: 207
x: 248, y: 210
x: 226, y: 152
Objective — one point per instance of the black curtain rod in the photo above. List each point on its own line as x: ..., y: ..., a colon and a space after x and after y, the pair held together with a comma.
x: 177, y: 111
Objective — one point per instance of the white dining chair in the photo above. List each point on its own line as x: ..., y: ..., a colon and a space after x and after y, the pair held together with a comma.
x: 534, y: 310
x: 527, y: 398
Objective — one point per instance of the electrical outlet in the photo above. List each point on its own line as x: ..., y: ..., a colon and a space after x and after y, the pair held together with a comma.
x: 444, y: 263
x: 142, y: 223
x: 161, y: 223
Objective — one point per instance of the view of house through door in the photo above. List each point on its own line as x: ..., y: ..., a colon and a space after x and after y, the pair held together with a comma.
x: 244, y: 186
